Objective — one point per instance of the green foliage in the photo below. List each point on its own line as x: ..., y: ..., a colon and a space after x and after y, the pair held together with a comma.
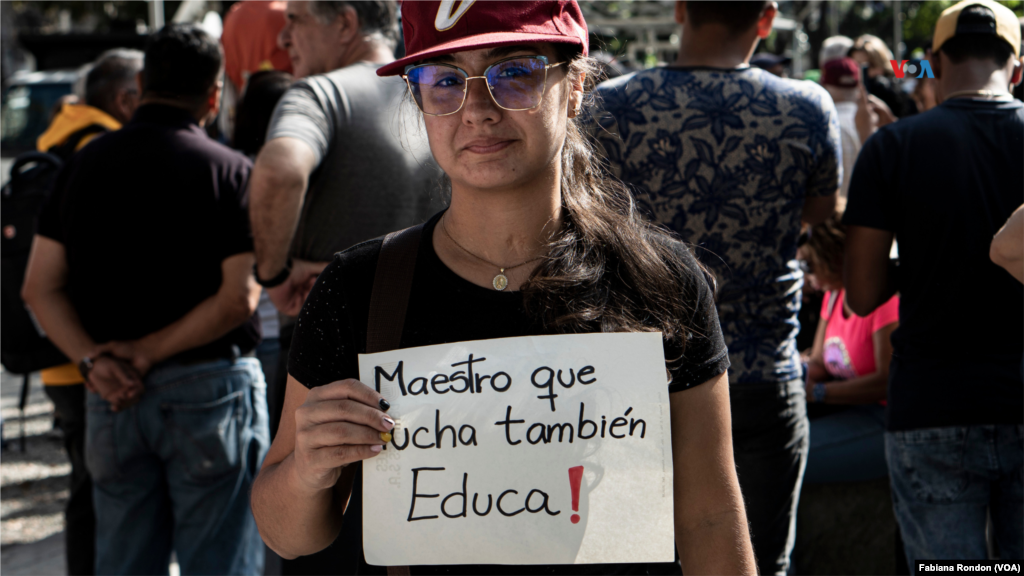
x: 101, y: 14
x: 919, y: 25
x: 613, y: 9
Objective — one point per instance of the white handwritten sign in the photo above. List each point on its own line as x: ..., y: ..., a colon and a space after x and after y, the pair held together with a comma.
x: 534, y: 450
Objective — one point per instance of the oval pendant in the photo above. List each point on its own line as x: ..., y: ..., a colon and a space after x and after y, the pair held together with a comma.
x: 500, y: 282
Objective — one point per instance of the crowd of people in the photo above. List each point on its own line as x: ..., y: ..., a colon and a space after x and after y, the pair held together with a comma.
x: 213, y: 298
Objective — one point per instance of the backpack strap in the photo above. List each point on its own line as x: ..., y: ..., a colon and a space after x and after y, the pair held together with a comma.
x: 67, y: 149
x: 392, y: 283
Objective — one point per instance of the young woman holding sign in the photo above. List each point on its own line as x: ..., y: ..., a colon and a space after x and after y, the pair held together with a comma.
x: 536, y: 240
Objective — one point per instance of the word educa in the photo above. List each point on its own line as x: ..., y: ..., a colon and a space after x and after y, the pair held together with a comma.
x: 535, y: 501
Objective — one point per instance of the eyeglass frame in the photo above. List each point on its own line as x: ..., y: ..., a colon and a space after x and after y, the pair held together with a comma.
x: 465, y: 90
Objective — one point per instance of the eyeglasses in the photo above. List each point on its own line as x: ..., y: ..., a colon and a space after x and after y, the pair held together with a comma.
x: 515, y: 84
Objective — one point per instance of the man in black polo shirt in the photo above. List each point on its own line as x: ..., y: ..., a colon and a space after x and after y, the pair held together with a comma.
x: 142, y: 271
x: 944, y: 182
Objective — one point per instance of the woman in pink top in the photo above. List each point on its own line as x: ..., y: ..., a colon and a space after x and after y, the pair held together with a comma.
x: 848, y: 367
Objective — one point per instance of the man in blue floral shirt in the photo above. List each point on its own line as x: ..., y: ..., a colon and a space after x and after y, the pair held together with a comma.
x: 733, y: 158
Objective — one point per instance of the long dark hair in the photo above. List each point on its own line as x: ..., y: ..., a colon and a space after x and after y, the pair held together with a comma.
x: 608, y: 268
x: 826, y: 243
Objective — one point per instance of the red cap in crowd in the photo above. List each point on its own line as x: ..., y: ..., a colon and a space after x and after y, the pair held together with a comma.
x: 432, y: 28
x: 842, y: 72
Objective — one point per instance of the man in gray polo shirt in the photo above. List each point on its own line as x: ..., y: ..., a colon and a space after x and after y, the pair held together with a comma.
x: 344, y: 160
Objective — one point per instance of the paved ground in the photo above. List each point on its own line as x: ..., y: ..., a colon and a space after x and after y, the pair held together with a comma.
x: 43, y: 558
x: 5, y: 169
x: 33, y: 485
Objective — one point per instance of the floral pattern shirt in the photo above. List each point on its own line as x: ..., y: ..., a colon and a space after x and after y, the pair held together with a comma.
x: 725, y: 158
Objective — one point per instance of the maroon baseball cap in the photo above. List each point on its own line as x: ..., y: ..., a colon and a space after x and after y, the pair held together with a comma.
x: 432, y: 28
x: 842, y: 72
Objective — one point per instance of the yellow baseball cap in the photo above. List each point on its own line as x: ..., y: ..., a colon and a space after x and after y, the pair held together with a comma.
x: 978, y: 17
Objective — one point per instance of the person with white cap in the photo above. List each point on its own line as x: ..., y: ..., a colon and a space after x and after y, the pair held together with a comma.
x: 834, y: 47
x: 536, y: 240
x: 943, y: 182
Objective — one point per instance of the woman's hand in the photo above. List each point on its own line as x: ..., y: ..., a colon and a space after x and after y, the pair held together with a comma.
x: 338, y: 424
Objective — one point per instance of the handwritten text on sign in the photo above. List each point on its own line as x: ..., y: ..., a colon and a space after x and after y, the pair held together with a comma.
x: 533, y: 450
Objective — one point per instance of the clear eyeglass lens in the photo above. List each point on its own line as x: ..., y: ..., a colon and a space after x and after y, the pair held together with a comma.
x: 437, y: 89
x: 516, y: 84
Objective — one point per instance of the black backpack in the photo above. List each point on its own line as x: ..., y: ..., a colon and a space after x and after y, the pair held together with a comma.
x: 23, y: 346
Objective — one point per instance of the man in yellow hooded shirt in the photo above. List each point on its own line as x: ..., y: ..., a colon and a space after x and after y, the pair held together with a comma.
x: 111, y: 96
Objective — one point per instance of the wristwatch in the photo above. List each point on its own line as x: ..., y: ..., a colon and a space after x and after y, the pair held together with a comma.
x: 85, y: 366
x: 819, y: 392
x: 276, y: 280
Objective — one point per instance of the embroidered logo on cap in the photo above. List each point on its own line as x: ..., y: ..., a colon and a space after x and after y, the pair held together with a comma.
x: 448, y: 15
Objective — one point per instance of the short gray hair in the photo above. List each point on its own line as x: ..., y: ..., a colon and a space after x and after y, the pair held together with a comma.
x: 834, y: 47
x: 375, y: 16
x: 114, y: 70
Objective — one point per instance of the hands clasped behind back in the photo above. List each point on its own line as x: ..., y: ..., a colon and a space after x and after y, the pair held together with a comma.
x: 118, y: 379
x: 130, y: 352
x: 339, y: 423
x: 115, y: 381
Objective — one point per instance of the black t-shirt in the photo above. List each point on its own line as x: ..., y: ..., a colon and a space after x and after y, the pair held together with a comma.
x: 944, y: 182
x: 146, y: 215
x: 444, y: 308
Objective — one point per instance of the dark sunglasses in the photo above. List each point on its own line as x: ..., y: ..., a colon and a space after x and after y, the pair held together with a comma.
x: 515, y: 84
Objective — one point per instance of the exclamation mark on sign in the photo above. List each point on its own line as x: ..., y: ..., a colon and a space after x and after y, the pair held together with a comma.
x: 575, y: 477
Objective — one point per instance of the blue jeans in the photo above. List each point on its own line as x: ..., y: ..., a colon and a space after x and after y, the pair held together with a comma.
x: 175, y: 471
x: 769, y: 439
x: 268, y: 352
x: 945, y: 480
x: 848, y: 446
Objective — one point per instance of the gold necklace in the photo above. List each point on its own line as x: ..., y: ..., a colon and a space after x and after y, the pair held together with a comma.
x: 500, y: 281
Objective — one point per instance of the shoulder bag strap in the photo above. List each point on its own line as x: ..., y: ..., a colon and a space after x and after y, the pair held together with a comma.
x: 392, y: 284
x: 70, y: 145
